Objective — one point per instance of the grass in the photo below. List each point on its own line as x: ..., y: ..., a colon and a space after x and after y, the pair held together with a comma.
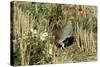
x: 33, y: 39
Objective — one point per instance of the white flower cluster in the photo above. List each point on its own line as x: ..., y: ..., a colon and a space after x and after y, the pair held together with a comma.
x: 43, y: 36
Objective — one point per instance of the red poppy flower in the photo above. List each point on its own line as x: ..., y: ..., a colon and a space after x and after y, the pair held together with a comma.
x: 81, y: 10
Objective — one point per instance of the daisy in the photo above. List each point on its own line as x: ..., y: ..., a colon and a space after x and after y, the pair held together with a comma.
x: 34, y: 31
x: 43, y: 36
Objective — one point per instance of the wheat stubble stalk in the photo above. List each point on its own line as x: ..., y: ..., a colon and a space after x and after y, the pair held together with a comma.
x: 84, y: 39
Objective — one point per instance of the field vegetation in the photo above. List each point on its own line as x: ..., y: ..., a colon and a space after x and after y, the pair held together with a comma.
x: 32, y: 27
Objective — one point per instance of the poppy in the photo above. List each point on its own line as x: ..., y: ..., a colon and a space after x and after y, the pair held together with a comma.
x: 81, y: 10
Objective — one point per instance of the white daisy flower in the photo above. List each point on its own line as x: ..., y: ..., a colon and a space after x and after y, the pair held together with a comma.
x: 43, y: 36
x: 34, y: 31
